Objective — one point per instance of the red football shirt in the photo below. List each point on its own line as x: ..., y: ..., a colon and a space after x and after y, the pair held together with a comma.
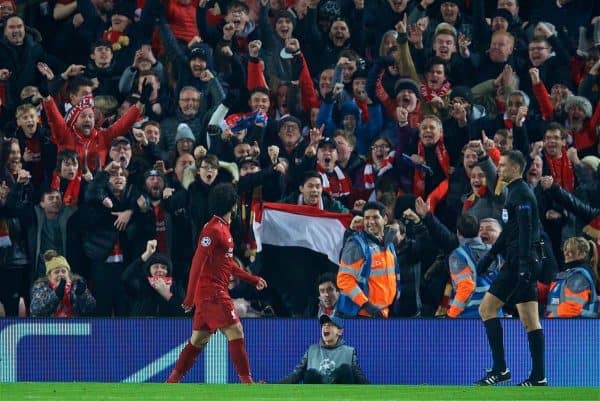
x: 213, y: 264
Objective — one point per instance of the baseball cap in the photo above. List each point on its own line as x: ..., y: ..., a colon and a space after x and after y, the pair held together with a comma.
x: 248, y: 159
x: 289, y: 118
x: 326, y: 142
x: 336, y: 321
x: 120, y: 140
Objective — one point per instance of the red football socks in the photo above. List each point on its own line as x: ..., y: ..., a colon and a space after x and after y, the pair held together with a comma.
x: 186, y: 360
x: 237, y: 351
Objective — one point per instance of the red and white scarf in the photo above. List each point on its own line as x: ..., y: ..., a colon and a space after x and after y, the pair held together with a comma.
x: 152, y: 280
x: 116, y: 254
x: 371, y: 171
x: 428, y: 93
x: 71, y: 195
x: 442, y: 158
x: 64, y: 309
x: 5, y: 241
x: 561, y: 170
x: 338, y: 186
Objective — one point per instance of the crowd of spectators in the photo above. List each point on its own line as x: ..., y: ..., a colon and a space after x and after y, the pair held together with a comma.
x: 118, y: 117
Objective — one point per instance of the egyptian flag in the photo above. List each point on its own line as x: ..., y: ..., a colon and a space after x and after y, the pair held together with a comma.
x: 296, y: 244
x: 282, y: 224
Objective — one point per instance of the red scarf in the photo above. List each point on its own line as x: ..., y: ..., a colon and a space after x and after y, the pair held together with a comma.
x: 71, y: 195
x: 429, y: 93
x: 336, y: 186
x: 442, y: 158
x: 64, y: 309
x: 161, y: 229
x: 562, y: 171
x: 364, y: 110
x: 480, y: 193
x: 5, y: 241
x: 371, y: 168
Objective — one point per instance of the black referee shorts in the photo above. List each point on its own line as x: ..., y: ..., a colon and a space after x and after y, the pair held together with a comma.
x: 510, y: 290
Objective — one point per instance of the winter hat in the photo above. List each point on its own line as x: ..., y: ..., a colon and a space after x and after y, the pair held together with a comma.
x: 154, y: 173
x: 86, y: 102
x: 579, y: 101
x: 184, y: 132
x: 198, y: 52
x: 329, y: 10
x: 285, y: 14
x: 158, y: 258
x: 125, y: 8
x: 462, y: 91
x: 119, y: 140
x: 501, y: 12
x: 406, y: 83
x: 56, y: 262
x: 350, y: 108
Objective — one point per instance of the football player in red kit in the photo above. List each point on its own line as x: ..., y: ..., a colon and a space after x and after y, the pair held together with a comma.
x: 207, y: 292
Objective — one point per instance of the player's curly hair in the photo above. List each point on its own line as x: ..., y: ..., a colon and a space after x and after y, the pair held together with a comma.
x: 222, y: 198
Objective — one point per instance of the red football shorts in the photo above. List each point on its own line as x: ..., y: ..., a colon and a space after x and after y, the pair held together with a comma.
x: 214, y: 314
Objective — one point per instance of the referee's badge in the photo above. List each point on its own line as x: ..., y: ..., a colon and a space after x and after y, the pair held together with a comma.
x: 505, y: 216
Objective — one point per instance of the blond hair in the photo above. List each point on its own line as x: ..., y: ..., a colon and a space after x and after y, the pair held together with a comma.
x: 588, y: 248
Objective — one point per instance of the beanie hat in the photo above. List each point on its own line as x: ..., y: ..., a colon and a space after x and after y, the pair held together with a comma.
x: 285, y: 14
x: 154, y: 173
x: 504, y: 13
x: 581, y: 102
x: 406, y: 83
x: 184, y: 132
x: 349, y: 108
x: 56, y: 262
x: 158, y: 258
x: 86, y: 102
x: 462, y: 91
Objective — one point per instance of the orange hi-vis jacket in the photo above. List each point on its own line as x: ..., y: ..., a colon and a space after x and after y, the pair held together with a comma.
x: 573, y: 294
x: 381, y: 286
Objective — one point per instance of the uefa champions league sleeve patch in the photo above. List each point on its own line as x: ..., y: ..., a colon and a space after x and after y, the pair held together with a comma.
x: 205, y: 241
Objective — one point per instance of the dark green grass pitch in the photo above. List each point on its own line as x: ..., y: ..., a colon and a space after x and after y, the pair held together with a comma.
x: 238, y: 392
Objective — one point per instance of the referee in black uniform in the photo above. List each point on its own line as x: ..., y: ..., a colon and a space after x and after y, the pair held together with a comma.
x: 519, y: 244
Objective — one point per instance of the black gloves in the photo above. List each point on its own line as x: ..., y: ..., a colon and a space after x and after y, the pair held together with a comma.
x: 373, y: 310
x: 60, y: 290
x: 146, y: 93
x: 297, y: 64
x: 80, y: 287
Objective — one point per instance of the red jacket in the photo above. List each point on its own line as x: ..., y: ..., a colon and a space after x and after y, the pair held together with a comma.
x: 93, y: 149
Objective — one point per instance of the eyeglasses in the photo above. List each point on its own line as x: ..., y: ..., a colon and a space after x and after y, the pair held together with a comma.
x: 539, y: 49
x: 189, y: 99
x: 209, y: 168
x: 380, y: 147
